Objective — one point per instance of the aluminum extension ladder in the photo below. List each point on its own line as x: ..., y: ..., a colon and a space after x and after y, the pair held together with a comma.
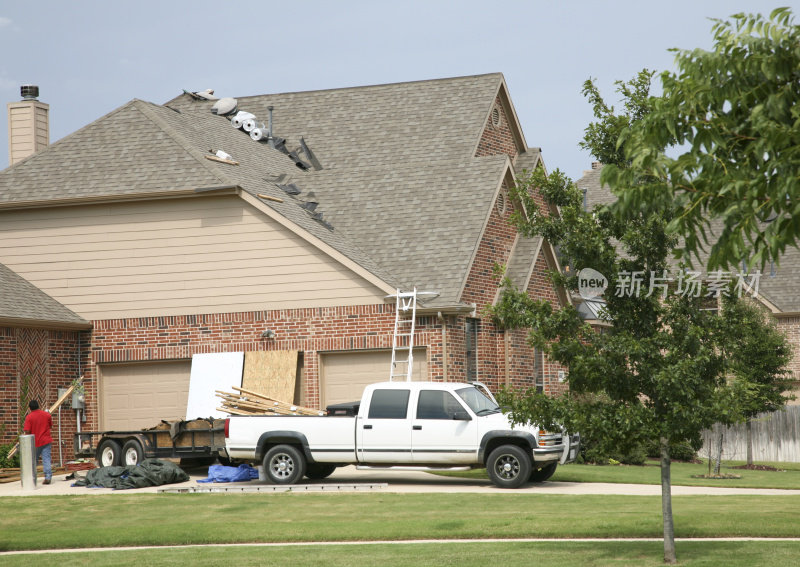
x: 405, y: 317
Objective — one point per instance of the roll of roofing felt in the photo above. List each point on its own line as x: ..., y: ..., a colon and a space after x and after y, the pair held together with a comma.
x: 238, y: 120
x: 259, y: 134
x: 249, y: 124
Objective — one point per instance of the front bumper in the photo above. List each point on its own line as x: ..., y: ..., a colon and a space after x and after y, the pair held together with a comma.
x: 563, y: 450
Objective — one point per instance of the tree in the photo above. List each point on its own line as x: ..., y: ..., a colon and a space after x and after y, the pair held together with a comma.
x: 658, y: 373
x: 732, y: 116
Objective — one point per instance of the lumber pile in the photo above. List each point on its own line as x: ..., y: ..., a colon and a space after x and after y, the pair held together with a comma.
x: 246, y: 402
x: 14, y: 474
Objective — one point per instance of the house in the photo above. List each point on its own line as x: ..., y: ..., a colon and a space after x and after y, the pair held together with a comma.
x: 175, y: 233
x: 777, y: 289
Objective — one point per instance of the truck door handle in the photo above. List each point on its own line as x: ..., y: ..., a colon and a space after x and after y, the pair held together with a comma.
x: 417, y: 428
x: 367, y: 427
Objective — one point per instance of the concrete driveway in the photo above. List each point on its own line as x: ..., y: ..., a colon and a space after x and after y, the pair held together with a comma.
x: 348, y: 479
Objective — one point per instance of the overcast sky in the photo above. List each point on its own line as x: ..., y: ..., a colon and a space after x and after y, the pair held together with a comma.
x: 91, y: 57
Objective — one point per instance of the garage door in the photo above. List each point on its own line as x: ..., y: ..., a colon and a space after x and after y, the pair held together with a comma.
x: 137, y: 396
x: 343, y: 376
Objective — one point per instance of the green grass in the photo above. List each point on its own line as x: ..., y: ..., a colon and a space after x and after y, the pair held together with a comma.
x: 644, y: 554
x: 682, y: 475
x: 34, y: 522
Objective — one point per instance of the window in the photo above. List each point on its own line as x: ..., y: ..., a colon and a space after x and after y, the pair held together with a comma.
x: 472, y: 349
x: 538, y: 370
x: 437, y: 404
x: 389, y: 404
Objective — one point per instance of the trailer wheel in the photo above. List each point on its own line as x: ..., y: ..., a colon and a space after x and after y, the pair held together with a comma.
x: 509, y: 466
x: 543, y: 473
x: 108, y: 453
x: 284, y: 464
x: 132, y: 453
x: 316, y: 471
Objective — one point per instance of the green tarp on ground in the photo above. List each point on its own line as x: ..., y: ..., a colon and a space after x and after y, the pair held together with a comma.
x: 150, y: 472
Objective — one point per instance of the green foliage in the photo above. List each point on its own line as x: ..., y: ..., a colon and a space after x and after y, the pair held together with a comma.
x: 5, y: 462
x: 732, y: 117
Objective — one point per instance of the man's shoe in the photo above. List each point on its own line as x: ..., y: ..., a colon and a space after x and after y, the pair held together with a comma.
x: 46, y: 481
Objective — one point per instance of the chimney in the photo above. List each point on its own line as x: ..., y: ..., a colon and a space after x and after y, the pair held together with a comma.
x: 28, y: 125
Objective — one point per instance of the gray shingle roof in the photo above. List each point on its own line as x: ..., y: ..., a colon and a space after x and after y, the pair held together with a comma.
x: 400, y: 192
x: 23, y: 303
x: 780, y: 285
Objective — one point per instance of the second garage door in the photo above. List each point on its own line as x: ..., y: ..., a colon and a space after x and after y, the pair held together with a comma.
x: 343, y: 376
x: 138, y: 396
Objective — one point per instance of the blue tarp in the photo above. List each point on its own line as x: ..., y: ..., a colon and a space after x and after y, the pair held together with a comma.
x: 221, y: 473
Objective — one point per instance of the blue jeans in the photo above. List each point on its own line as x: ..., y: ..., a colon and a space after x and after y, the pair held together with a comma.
x: 44, y: 453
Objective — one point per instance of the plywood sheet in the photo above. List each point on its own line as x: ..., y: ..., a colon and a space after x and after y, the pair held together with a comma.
x: 212, y: 372
x: 271, y: 373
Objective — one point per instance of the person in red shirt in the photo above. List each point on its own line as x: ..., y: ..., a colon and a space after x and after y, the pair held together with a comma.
x: 39, y: 423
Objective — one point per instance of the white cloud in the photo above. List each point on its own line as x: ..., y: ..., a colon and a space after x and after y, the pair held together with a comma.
x: 4, y: 21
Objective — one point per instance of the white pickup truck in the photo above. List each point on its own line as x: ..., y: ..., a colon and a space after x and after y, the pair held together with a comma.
x: 402, y: 426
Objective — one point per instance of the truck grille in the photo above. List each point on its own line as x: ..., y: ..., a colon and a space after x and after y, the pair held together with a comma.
x: 547, y: 439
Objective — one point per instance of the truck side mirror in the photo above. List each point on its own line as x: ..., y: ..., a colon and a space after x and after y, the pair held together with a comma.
x: 461, y: 415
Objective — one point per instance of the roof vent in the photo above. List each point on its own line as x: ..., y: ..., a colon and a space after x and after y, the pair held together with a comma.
x: 29, y: 92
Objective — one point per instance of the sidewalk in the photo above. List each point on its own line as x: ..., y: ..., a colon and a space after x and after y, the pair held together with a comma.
x: 405, y: 482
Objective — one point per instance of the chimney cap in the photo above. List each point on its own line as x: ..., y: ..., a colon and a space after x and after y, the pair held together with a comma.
x: 29, y: 92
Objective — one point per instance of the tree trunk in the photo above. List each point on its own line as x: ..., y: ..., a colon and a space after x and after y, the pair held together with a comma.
x: 718, y: 462
x: 749, y: 440
x: 666, y: 504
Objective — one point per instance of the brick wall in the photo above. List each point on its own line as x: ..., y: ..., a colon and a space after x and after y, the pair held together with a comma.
x: 790, y: 326
x: 497, y: 137
x: 309, y: 331
x: 40, y: 361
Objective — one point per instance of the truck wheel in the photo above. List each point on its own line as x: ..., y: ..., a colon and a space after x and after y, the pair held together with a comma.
x: 316, y: 471
x: 509, y: 466
x: 543, y: 473
x: 108, y: 453
x: 132, y: 453
x: 284, y: 464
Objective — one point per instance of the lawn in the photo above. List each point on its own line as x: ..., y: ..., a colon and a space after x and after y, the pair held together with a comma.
x: 34, y: 522
x: 683, y: 474
x: 640, y: 554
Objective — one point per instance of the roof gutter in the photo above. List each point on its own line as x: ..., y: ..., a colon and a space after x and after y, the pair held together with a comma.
x: 121, y: 198
x: 44, y: 324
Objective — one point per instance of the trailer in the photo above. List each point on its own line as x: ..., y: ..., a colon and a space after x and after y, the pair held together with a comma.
x: 198, y: 439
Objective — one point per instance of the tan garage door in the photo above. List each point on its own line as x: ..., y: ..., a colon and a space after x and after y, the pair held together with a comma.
x: 137, y: 396
x: 343, y: 376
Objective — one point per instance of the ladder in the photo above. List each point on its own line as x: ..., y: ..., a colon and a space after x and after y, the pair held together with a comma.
x: 405, y: 317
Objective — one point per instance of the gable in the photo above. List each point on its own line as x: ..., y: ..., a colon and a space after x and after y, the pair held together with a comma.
x: 171, y: 257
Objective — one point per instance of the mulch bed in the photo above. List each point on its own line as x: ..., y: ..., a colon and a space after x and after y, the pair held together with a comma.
x: 756, y: 468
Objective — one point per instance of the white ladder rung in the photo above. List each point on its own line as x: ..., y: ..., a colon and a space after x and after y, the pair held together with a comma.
x: 406, y: 301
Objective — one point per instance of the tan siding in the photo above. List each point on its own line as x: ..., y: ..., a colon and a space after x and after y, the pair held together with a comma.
x: 171, y: 257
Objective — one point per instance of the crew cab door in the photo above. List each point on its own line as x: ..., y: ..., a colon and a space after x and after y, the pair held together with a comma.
x: 443, y: 431
x: 383, y: 435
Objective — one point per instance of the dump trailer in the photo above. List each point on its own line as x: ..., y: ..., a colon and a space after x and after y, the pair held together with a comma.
x: 197, y: 439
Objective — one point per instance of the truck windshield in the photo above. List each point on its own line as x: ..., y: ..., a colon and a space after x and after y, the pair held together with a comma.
x: 477, y: 401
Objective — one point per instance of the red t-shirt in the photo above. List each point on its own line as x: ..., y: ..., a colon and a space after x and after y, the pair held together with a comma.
x: 39, y: 422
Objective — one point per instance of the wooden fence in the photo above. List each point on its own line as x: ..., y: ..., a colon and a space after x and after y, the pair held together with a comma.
x: 776, y: 437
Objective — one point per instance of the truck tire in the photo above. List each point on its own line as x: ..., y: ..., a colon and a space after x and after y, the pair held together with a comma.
x: 544, y: 473
x: 509, y: 466
x: 108, y: 453
x: 317, y: 471
x: 284, y: 464
x: 132, y: 453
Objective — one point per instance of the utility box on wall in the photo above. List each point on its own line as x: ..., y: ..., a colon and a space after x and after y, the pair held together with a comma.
x: 78, y: 400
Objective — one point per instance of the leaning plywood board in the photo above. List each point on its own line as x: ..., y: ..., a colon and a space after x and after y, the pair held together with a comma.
x: 271, y: 373
x: 210, y: 372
